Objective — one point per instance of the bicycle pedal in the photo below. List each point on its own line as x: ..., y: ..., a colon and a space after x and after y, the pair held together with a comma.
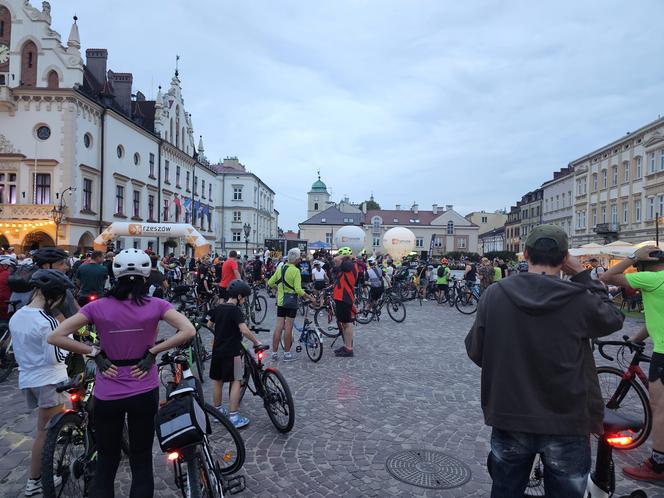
x: 298, y: 349
x: 235, y: 485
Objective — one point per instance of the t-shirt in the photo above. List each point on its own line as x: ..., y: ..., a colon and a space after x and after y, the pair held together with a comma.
x: 257, y: 274
x: 344, y: 289
x: 291, y: 275
x: 442, y: 275
x: 651, y: 284
x: 228, y: 272
x: 305, y: 271
x: 92, y: 278
x: 39, y: 363
x: 227, y: 336
x: 318, y: 274
x: 497, y: 274
x: 126, y: 331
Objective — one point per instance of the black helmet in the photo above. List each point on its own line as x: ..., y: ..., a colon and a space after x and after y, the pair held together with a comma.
x: 48, y: 255
x: 50, y: 281
x: 239, y: 288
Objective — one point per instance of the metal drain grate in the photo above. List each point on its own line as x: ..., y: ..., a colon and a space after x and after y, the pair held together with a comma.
x: 428, y: 469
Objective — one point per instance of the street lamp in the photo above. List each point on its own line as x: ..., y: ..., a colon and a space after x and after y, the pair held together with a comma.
x: 247, y: 231
x: 58, y: 212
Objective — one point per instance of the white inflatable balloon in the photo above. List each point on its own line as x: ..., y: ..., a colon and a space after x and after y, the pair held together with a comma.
x: 350, y: 236
x: 398, y: 242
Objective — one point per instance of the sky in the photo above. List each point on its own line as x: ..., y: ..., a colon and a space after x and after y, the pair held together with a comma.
x: 430, y: 101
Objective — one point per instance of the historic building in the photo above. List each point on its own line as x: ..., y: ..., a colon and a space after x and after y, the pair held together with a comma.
x: 558, y: 205
x: 487, y: 221
x: 493, y: 240
x: 531, y: 214
x: 513, y: 229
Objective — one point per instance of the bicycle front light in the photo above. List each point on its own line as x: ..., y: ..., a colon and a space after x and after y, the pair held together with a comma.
x: 174, y: 455
x: 619, y: 440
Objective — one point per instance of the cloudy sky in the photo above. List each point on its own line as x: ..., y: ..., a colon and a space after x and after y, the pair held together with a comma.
x: 434, y: 101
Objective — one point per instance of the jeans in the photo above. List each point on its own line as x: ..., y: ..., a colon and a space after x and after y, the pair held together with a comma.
x: 109, y: 416
x: 566, y: 462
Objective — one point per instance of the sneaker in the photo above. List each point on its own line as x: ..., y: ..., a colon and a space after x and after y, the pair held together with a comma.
x: 239, y: 421
x: 339, y: 350
x: 644, y: 472
x: 33, y: 487
x: 275, y: 357
x: 223, y: 411
x: 289, y: 357
x: 344, y: 353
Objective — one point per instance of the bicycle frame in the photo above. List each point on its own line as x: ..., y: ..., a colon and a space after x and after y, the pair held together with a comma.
x: 255, y: 370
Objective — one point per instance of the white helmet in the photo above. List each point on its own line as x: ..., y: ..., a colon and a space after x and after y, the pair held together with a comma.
x: 131, y: 262
x: 371, y: 260
x: 317, y: 263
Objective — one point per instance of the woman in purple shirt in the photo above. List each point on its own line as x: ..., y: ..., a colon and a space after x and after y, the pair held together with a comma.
x: 127, y: 380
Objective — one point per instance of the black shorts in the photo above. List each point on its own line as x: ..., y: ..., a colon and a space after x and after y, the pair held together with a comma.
x: 319, y: 284
x: 344, y: 311
x: 375, y: 293
x: 442, y: 287
x: 656, y: 371
x: 226, y: 368
x: 286, y: 312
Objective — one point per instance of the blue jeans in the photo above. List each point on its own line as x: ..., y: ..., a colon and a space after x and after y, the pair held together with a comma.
x: 566, y: 463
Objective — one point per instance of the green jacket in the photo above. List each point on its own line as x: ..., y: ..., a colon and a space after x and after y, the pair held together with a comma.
x: 292, y: 278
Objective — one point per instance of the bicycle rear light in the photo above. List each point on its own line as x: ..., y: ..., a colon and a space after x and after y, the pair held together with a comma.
x: 172, y: 456
x: 73, y: 397
x: 618, y: 440
x: 260, y: 355
x: 92, y: 297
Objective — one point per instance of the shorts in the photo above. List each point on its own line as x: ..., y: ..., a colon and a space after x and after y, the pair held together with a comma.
x: 286, y: 312
x: 226, y: 368
x: 344, y: 311
x: 423, y: 282
x: 656, y: 371
x: 375, y: 293
x: 43, y: 396
x: 442, y: 287
x: 319, y: 285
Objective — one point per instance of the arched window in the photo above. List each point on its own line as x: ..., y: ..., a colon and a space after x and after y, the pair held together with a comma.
x: 315, y: 206
x: 375, y: 222
x: 53, y: 80
x: 29, y: 64
x: 182, y: 135
x: 171, y: 130
x: 450, y: 227
x: 177, y: 126
x: 5, y: 32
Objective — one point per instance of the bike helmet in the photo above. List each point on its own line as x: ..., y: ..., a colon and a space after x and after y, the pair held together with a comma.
x: 444, y: 261
x: 371, y: 260
x: 239, y: 288
x: 345, y: 251
x: 318, y: 263
x: 7, y: 261
x: 50, y: 281
x: 48, y: 255
x: 131, y: 262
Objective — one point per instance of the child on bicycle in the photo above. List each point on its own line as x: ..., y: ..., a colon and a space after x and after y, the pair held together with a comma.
x: 40, y: 366
x: 226, y: 365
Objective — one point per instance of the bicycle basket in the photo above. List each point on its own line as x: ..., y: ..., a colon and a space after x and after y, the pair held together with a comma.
x: 181, y: 422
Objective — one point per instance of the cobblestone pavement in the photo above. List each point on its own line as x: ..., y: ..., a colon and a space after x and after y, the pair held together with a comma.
x: 409, y: 386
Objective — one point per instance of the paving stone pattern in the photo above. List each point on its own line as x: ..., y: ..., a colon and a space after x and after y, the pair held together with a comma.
x: 410, y: 386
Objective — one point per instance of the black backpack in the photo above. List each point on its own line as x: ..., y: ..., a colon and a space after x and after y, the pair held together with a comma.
x: 19, y: 280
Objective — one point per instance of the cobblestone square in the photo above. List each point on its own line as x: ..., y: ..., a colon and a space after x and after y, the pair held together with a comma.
x: 410, y: 386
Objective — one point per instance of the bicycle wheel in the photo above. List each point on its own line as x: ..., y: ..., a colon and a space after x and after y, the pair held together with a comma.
x: 260, y: 309
x: 199, y: 484
x: 7, y: 359
x: 326, y: 322
x: 65, y: 454
x: 396, y: 309
x: 535, y: 486
x: 278, y: 400
x: 467, y: 303
x: 364, y: 312
x: 313, y: 345
x: 452, y: 298
x: 197, y: 352
x: 226, y: 444
x: 628, y: 399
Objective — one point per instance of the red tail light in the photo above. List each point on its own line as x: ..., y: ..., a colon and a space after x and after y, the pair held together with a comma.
x: 92, y: 297
x: 173, y: 456
x: 618, y: 440
x: 260, y: 355
x: 73, y: 397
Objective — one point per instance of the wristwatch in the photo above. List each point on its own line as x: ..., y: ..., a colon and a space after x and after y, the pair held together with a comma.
x: 95, y: 351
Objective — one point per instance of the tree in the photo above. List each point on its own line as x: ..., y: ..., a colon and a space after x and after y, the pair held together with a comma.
x: 371, y: 205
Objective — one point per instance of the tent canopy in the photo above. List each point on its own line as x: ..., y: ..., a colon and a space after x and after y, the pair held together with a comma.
x: 319, y: 244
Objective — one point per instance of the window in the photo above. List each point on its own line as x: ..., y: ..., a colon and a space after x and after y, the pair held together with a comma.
x: 150, y: 207
x: 484, y: 219
x: 660, y: 202
x: 605, y: 178
x: 137, y: 203
x: 87, y: 140
x: 203, y: 188
x: 651, y: 208
x: 236, y: 236
x: 419, y: 241
x: 119, y: 199
x: 594, y: 217
x: 603, y: 214
x: 651, y: 162
x: 43, y: 188
x: 137, y: 159
x: 195, y: 185
x: 323, y: 220
x: 563, y: 199
x: 639, y: 169
x: 581, y: 186
x: 625, y: 212
x: 87, y: 194
x: 580, y: 219
x: 461, y: 243
x: 186, y: 185
x: 237, y: 216
x: 395, y: 220
x: 210, y: 192
x: 594, y: 182
x: 7, y: 188
x: 626, y: 172
x: 166, y: 206
x: 119, y: 151
x: 614, y: 213
x: 637, y: 211
x: 375, y: 223
x: 328, y: 238
x: 661, y: 160
x: 450, y: 227
x: 177, y: 176
x: 614, y: 176
x: 237, y: 193
x: 315, y: 206
x: 376, y: 241
x: 167, y: 167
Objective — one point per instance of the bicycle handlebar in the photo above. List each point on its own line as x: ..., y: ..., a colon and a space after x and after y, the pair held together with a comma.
x: 633, y: 346
x: 259, y: 329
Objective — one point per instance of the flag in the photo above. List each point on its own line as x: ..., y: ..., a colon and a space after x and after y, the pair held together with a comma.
x: 187, y: 204
x: 197, y: 206
x: 178, y: 205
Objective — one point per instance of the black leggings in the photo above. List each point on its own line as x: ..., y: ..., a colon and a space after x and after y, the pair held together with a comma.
x: 109, y: 419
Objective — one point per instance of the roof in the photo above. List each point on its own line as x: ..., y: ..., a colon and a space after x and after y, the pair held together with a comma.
x: 318, y: 186
x: 333, y: 216
x: 402, y: 216
x: 492, y: 233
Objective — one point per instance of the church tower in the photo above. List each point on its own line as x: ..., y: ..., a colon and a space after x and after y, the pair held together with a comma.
x: 318, y: 198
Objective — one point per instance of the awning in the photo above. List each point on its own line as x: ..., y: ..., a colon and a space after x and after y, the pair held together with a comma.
x: 319, y: 244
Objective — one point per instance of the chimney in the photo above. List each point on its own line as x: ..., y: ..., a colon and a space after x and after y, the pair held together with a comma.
x: 398, y: 207
x: 121, y: 83
x: 448, y: 207
x: 414, y: 208
x: 95, y: 62
x: 434, y: 208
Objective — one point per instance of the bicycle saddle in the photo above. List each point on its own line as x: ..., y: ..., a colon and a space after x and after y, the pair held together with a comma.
x: 616, y: 423
x: 262, y: 347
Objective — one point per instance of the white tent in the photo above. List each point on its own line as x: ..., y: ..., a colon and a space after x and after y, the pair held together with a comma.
x: 591, y: 249
x: 619, y: 243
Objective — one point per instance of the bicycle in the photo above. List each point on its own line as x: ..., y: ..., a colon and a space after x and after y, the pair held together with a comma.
x: 466, y: 302
x: 325, y: 317
x: 198, y: 353
x: 189, y: 444
x: 7, y: 358
x: 621, y: 390
x: 269, y: 384
x: 255, y: 308
x: 602, y: 480
x: 372, y: 310
x: 311, y: 340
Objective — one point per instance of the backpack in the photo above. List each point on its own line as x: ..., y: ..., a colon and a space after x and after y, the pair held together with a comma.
x: 19, y: 280
x: 375, y: 278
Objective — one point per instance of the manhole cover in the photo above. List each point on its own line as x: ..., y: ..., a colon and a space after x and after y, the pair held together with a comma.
x: 428, y: 469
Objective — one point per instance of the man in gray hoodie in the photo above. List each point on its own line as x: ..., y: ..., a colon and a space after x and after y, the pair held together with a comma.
x: 540, y: 393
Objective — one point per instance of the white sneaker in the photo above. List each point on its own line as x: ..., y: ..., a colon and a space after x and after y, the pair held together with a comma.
x: 33, y: 487
x: 275, y: 357
x: 289, y: 356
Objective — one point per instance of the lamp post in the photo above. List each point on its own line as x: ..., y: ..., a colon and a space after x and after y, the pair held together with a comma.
x: 247, y: 231
x: 58, y: 212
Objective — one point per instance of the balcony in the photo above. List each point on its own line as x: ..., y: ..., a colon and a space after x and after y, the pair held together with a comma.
x: 26, y: 211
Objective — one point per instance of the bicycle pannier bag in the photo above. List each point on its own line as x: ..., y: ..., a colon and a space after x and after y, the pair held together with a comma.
x: 180, y: 422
